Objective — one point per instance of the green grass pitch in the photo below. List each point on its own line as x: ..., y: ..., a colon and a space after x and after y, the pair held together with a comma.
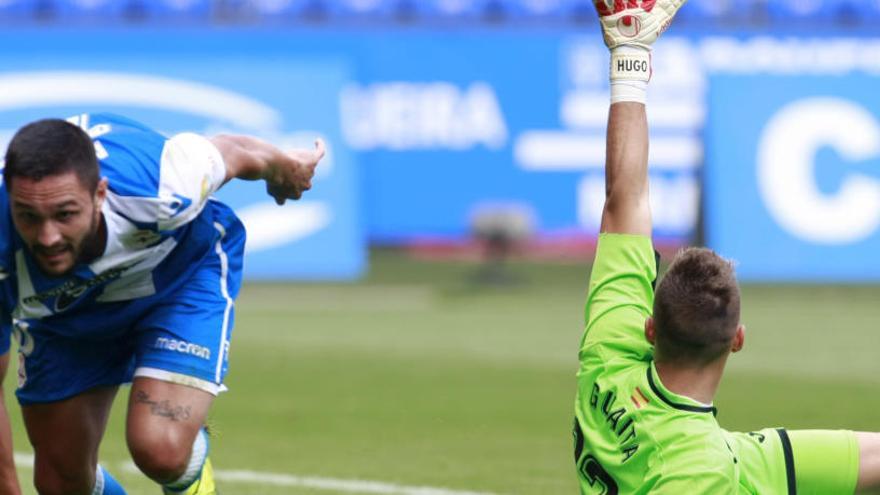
x: 417, y: 377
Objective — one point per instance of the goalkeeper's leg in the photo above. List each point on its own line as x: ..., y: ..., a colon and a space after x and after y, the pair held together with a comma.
x: 869, y: 460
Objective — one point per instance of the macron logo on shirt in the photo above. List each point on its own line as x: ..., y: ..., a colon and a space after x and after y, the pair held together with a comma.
x: 183, y: 347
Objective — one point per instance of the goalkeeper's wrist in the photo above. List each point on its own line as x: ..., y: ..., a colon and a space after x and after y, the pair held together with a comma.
x: 630, y: 73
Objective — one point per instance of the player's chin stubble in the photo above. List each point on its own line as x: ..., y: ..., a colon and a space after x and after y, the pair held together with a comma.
x: 78, y: 251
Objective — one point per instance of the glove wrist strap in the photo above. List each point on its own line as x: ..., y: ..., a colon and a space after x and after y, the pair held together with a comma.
x: 630, y: 73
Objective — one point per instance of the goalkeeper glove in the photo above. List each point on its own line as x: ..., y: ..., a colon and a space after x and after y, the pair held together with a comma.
x: 629, y: 28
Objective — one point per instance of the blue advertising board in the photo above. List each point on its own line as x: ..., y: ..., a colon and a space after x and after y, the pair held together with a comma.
x: 447, y: 122
x: 280, y: 97
x: 428, y: 127
x: 442, y: 123
x: 793, y: 175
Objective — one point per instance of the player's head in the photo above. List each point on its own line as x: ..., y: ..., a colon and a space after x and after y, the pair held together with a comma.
x: 55, y: 192
x: 697, y: 310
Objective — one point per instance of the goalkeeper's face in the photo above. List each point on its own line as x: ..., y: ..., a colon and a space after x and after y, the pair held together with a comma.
x: 59, y: 220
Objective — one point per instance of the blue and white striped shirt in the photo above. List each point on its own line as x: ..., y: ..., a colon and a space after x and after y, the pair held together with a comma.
x: 158, y: 228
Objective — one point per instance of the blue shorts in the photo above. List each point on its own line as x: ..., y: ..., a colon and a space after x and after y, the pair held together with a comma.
x: 181, y: 337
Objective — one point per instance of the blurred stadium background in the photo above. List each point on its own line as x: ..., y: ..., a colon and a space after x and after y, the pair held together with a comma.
x: 411, y: 326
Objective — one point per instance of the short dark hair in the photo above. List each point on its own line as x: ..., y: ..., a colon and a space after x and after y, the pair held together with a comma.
x: 696, y: 308
x: 51, y: 147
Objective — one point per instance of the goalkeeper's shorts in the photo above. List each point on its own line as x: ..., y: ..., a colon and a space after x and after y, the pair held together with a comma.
x: 803, y: 462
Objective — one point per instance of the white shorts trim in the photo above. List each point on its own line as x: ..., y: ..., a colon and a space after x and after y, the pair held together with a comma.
x: 181, y: 379
x: 223, y: 348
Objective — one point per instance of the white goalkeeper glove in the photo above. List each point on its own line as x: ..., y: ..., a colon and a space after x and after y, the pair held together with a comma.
x: 629, y: 28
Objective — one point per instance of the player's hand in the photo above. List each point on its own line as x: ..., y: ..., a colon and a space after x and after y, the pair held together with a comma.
x: 288, y: 177
x: 635, y: 22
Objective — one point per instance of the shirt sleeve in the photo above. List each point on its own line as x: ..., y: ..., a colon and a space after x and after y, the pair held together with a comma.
x: 191, y: 170
x: 621, y: 297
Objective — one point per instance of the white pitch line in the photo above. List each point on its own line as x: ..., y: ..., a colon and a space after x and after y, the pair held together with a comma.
x: 288, y: 480
x: 351, y: 486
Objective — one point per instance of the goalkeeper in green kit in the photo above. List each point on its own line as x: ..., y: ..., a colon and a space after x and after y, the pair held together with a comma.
x: 651, y: 362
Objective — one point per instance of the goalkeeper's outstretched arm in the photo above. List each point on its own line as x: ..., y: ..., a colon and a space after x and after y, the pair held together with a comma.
x: 629, y: 30
x: 627, y: 209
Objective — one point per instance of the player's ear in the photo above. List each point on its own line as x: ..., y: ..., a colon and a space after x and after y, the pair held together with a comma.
x: 739, y: 339
x: 650, y: 333
x: 101, y: 192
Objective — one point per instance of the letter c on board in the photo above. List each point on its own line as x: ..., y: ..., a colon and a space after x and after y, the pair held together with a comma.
x: 786, y: 170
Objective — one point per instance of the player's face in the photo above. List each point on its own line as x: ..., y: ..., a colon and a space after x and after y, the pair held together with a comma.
x: 57, y: 217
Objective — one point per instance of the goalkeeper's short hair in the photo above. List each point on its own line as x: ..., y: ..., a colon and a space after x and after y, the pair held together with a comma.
x: 696, y: 308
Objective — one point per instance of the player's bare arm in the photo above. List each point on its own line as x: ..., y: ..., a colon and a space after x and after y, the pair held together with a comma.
x: 8, y: 479
x: 287, y: 174
x: 629, y: 29
x: 627, y: 209
x: 869, y: 460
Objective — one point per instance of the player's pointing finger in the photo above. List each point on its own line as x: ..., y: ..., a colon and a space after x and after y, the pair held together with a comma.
x: 320, y: 149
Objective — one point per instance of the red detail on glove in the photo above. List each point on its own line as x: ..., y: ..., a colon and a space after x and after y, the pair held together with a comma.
x: 604, y: 9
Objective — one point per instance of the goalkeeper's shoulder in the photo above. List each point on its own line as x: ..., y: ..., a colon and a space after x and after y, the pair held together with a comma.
x: 624, y: 272
x: 627, y: 250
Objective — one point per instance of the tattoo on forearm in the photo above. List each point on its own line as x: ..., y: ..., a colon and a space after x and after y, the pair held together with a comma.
x: 163, y: 407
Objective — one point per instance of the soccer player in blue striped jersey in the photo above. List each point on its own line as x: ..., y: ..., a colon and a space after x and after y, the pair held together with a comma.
x: 117, y: 266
